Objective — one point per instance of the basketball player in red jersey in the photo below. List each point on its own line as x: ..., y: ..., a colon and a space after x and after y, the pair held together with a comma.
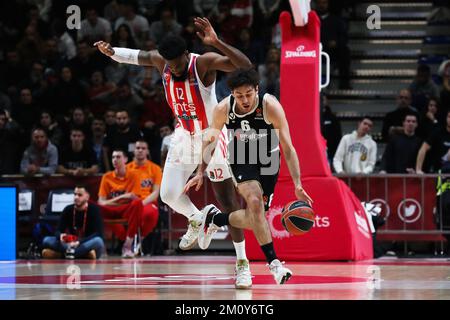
x: 189, y: 82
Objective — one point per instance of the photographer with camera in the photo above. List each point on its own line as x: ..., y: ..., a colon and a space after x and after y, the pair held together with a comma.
x: 79, y: 233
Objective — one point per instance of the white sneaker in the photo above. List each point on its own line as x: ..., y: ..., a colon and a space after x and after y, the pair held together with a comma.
x: 279, y: 272
x: 189, y: 239
x: 243, y: 275
x: 127, y: 253
x: 205, y: 236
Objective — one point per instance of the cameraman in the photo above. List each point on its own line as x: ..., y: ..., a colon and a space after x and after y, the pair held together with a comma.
x: 79, y: 233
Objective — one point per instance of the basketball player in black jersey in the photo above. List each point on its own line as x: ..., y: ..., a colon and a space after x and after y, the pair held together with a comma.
x: 257, y: 125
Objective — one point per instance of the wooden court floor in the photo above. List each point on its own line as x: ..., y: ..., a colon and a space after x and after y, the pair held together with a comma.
x: 211, y: 277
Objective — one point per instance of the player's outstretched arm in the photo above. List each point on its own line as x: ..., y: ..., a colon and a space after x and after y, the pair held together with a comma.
x: 276, y: 115
x: 231, y: 60
x: 130, y: 56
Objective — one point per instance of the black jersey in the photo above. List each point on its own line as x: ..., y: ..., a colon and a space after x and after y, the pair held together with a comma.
x: 252, y: 138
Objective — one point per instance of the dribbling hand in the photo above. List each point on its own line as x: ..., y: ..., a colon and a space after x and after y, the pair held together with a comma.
x: 104, y: 48
x: 301, y: 194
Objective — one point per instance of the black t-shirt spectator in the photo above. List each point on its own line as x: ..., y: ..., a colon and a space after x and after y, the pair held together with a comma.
x: 85, y: 231
x: 439, y: 141
x: 395, y: 119
x: 70, y: 159
x: 125, y: 141
x: 401, y: 153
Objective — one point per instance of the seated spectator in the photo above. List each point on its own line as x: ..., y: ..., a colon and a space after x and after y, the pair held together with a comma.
x: 401, y: 152
x: 94, y: 28
x: 98, y: 128
x: 8, y: 143
x: 41, y: 156
x: 422, y: 88
x: 123, y: 136
x: 79, y: 233
x: 429, y: 121
x: 251, y: 47
x: 439, y: 143
x: 356, y: 153
x: 86, y: 62
x: 66, y: 45
x: 118, y: 197
x: 5, y: 102
x: 78, y: 159
x: 68, y: 90
x: 26, y: 112
x: 138, y: 24
x: 99, y: 93
x: 30, y: 47
x: 78, y: 119
x: 13, y: 72
x: 110, y: 119
x: 125, y: 98
x: 156, y: 110
x: 54, y: 133
x: 334, y: 37
x: 166, y: 26
x: 393, y: 120
x: 270, y: 79
x: 123, y: 37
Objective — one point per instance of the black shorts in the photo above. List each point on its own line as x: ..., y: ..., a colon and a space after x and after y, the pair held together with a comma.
x: 248, y: 172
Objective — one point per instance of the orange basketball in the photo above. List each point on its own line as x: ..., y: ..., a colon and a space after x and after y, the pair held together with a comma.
x: 297, y: 217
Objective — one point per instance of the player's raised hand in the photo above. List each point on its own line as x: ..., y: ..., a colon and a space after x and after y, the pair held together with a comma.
x: 104, y: 48
x: 301, y: 194
x: 206, y: 31
x: 196, y: 181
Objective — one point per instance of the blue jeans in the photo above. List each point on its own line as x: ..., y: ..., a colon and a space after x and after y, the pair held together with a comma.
x: 81, y: 251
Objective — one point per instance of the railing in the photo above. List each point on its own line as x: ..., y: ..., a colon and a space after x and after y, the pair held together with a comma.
x: 408, y: 202
x: 409, y: 205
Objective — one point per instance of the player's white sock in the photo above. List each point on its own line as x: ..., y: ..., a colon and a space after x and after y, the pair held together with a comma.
x: 240, y: 250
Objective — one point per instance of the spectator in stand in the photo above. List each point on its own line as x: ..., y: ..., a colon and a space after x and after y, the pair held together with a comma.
x: 356, y: 153
x: 166, y: 26
x: 30, y: 47
x: 266, y: 17
x: 5, y: 102
x: 242, y: 13
x: 334, y: 37
x: 79, y: 120
x: 250, y: 46
x: 422, y: 88
x: 68, y: 90
x: 138, y: 24
x: 98, y: 136
x: 439, y: 142
x: 78, y: 159
x: 156, y: 110
x: 429, y: 120
x: 99, y: 93
x: 54, y: 132
x: 330, y: 127
x: 66, y: 45
x: 26, y: 112
x: 13, y: 72
x: 444, y: 73
x: 401, y: 152
x: 227, y: 29
x: 393, y: 121
x: 125, y: 98
x: 123, y: 136
x: 80, y: 231
x: 10, y: 156
x: 51, y: 58
x: 112, y: 11
x: 86, y: 62
x: 41, y: 156
x: 123, y: 37
x: 270, y: 79
x: 94, y: 28
x: 110, y: 119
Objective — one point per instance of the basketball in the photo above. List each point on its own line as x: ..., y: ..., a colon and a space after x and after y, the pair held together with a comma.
x: 297, y: 217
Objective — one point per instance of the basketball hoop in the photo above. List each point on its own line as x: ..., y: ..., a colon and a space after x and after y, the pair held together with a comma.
x: 300, y: 10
